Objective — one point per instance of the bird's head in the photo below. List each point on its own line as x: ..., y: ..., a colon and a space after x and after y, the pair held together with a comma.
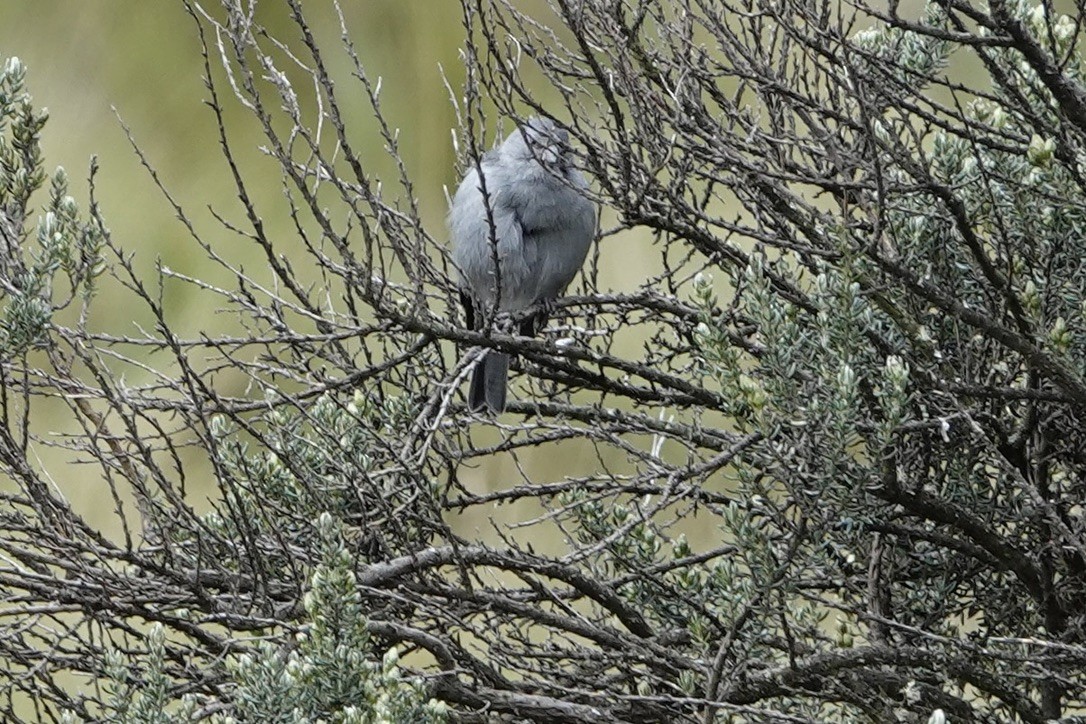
x: 540, y: 140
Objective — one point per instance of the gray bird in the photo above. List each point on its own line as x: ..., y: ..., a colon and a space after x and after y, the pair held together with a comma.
x: 543, y: 225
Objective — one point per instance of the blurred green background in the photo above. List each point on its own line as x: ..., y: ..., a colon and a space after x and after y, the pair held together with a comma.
x: 96, y: 65
x: 143, y: 59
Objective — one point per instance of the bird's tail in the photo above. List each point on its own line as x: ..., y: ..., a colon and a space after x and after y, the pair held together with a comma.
x: 488, y: 383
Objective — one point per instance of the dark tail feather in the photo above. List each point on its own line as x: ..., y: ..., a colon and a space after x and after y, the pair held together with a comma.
x: 488, y: 383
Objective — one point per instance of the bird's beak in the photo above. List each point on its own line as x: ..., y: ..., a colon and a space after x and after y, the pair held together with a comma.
x: 550, y: 156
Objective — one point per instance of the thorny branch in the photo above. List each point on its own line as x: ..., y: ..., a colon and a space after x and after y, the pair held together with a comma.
x: 859, y: 362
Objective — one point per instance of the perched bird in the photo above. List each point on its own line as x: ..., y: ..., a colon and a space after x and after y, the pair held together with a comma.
x: 539, y: 227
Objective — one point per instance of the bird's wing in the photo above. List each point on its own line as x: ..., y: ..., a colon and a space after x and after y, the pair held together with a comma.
x: 485, y: 228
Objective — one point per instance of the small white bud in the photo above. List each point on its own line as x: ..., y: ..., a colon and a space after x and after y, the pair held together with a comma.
x: 1041, y: 150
